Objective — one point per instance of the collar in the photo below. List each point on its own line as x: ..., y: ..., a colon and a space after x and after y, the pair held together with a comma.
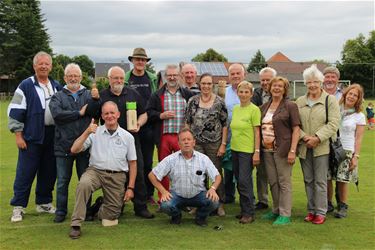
x: 105, y: 131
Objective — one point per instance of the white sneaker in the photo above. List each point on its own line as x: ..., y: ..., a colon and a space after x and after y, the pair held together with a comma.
x: 109, y: 223
x: 17, y: 215
x: 45, y: 208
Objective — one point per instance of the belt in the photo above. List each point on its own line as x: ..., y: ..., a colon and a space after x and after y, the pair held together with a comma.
x: 111, y: 171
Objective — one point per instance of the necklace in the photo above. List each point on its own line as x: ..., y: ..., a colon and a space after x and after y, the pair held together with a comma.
x: 207, y: 101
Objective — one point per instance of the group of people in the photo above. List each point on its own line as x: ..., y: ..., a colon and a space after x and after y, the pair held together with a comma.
x: 197, y: 132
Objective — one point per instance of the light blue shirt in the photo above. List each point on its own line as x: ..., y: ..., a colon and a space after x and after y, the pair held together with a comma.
x: 231, y: 99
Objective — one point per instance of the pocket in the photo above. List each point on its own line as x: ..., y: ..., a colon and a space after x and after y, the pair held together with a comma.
x: 119, y: 151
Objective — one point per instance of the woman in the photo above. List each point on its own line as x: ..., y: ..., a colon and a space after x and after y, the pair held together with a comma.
x: 352, y: 127
x: 280, y: 134
x: 314, y: 141
x: 245, y: 143
x: 207, y: 117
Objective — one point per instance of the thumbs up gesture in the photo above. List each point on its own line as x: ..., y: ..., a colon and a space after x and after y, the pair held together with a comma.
x: 92, y: 127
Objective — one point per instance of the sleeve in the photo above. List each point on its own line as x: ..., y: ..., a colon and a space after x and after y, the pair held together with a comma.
x: 88, y: 142
x: 163, y: 168
x: 223, y: 114
x: 93, y: 106
x: 189, y: 111
x: 17, y: 111
x: 361, y: 119
x: 59, y: 114
x: 329, y: 129
x: 293, y: 114
x: 131, y: 151
x: 256, y: 116
x: 152, y: 110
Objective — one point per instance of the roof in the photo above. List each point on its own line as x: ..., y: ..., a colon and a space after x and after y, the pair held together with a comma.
x: 101, y: 69
x: 279, y: 57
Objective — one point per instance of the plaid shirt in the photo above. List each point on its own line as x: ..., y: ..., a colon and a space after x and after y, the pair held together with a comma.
x: 187, y: 176
x: 174, y: 102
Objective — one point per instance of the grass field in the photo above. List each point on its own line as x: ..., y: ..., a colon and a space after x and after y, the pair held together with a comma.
x: 36, y: 231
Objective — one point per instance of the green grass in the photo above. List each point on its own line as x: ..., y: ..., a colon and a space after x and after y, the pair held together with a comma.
x: 39, y: 232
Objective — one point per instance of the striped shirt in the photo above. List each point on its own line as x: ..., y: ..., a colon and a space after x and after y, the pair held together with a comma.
x: 176, y: 103
x: 186, y: 176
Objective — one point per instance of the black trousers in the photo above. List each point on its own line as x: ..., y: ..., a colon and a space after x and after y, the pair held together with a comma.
x: 147, y: 147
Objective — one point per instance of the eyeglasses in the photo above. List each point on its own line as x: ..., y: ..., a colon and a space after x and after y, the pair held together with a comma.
x: 312, y: 82
x: 173, y: 75
x: 116, y: 78
x: 73, y: 76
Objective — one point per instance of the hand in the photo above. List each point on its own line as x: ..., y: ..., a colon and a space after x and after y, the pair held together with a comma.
x: 256, y: 159
x: 83, y: 110
x: 311, y: 141
x: 221, y: 151
x: 212, y: 195
x: 92, y: 127
x: 135, y: 130
x: 166, y: 196
x: 20, y: 142
x: 95, y: 93
x: 129, y: 194
x: 291, y: 158
x: 167, y: 115
x: 353, y: 163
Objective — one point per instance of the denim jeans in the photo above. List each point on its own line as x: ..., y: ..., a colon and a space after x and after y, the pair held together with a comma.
x: 204, y: 205
x: 64, y: 165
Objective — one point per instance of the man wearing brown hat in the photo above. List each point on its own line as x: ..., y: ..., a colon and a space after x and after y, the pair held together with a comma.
x: 145, y: 83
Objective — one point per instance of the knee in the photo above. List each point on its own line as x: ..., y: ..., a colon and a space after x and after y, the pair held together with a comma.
x: 166, y: 206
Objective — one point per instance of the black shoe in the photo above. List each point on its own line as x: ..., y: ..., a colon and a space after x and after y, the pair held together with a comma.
x: 144, y: 214
x: 342, y: 210
x: 260, y: 206
x: 201, y: 222
x: 89, y: 217
x: 330, y: 207
x: 59, y: 218
x: 75, y: 232
x: 176, y: 220
x: 94, y: 209
x: 238, y: 216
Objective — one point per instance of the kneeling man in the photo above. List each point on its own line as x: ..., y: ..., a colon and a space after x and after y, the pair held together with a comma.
x: 187, y: 170
x: 112, y: 154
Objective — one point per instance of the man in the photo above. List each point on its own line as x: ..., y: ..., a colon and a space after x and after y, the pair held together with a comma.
x: 145, y: 83
x: 68, y: 108
x: 112, y: 154
x: 331, y: 86
x: 236, y: 75
x: 121, y: 95
x: 166, y: 112
x: 189, y: 77
x: 31, y: 121
x: 260, y: 97
x: 187, y: 170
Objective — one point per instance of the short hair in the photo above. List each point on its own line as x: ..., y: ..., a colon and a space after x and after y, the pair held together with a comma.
x: 281, y: 79
x: 358, y: 104
x: 332, y: 69
x: 171, y: 66
x: 237, y: 64
x: 268, y: 69
x: 115, y: 67
x: 184, y: 130
x: 41, y: 54
x: 189, y: 64
x: 312, y: 72
x: 72, y: 66
x: 110, y: 103
x: 205, y: 75
x: 245, y: 84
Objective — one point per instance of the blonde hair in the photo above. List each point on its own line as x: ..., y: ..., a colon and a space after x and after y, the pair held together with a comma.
x: 245, y: 84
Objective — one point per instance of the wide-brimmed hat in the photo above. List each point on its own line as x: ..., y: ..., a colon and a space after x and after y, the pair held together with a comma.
x: 139, y: 53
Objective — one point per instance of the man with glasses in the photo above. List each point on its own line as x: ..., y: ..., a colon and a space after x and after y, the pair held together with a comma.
x: 122, y: 95
x: 166, y: 112
x: 145, y: 83
x: 68, y: 108
x: 31, y: 121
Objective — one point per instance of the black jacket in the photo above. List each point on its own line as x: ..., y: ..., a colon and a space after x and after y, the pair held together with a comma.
x: 257, y: 97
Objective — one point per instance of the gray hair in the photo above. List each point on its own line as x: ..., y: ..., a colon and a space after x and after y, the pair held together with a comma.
x: 311, y: 73
x: 41, y: 54
x: 268, y: 69
x: 115, y: 67
x: 72, y: 66
x: 189, y: 64
x: 171, y: 66
x: 236, y: 64
x: 332, y: 69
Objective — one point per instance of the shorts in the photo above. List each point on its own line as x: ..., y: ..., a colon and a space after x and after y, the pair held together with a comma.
x: 371, y: 121
x: 342, y: 173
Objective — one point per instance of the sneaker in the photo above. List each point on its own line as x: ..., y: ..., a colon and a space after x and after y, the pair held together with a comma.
x: 17, y: 215
x: 270, y: 216
x: 246, y: 219
x: 342, y: 210
x: 260, y: 206
x: 281, y: 220
x: 330, y: 207
x: 144, y: 214
x: 309, y: 217
x: 319, y: 219
x: 59, y: 218
x: 45, y: 208
x: 109, y: 223
x: 201, y: 222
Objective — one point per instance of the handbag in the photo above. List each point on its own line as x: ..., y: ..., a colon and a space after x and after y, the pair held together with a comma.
x: 337, y: 153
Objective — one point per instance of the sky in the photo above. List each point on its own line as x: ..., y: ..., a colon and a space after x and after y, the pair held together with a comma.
x: 175, y: 31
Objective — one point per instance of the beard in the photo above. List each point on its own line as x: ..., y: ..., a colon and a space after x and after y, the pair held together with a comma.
x: 117, y: 88
x: 172, y: 84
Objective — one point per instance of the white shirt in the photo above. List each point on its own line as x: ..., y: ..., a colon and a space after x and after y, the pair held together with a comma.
x: 347, y: 129
x: 111, y: 152
x: 48, y: 92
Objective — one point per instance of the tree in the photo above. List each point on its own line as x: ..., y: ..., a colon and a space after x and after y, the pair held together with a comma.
x: 358, y: 61
x: 210, y: 56
x: 257, y: 63
x: 85, y: 63
x: 22, y: 35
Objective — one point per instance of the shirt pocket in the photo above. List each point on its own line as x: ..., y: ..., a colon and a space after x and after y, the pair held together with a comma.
x: 119, y: 151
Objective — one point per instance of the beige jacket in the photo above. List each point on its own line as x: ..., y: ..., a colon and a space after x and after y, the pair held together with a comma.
x: 313, y: 120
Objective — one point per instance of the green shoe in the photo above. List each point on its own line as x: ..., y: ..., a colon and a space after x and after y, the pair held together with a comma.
x: 281, y: 220
x: 269, y: 216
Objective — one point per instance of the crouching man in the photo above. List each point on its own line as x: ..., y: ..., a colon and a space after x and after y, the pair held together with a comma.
x: 187, y: 170
x: 112, y: 154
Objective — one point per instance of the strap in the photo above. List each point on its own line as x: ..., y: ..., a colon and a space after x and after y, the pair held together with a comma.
x: 338, y: 130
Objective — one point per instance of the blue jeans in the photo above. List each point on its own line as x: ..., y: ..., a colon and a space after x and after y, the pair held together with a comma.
x: 64, y: 165
x: 204, y: 205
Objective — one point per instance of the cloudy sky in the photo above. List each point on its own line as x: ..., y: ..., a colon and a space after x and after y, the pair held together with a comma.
x: 174, y: 31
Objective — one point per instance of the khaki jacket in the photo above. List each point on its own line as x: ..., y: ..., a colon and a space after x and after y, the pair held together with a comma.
x: 313, y: 120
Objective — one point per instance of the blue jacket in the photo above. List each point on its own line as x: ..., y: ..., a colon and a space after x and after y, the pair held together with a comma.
x: 26, y: 110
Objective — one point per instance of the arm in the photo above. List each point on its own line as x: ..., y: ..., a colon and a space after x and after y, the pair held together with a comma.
x: 142, y: 119
x: 129, y: 194
x: 153, y: 112
x: 166, y: 196
x: 211, y: 193
x: 293, y: 146
x: 329, y: 129
x: 78, y: 143
x: 360, y: 129
x: 63, y: 116
x: 224, y: 136
x: 256, y: 156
